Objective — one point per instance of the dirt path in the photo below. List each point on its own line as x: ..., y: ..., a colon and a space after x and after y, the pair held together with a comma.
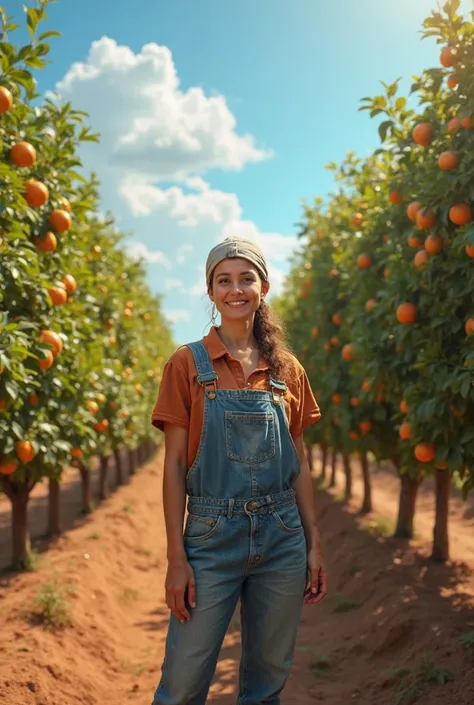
x: 388, y: 607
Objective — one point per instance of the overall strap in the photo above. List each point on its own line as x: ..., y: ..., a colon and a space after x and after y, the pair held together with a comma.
x: 206, y: 376
x: 278, y: 389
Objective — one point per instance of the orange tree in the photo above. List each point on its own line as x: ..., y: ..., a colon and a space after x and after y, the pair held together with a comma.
x: 409, y: 277
x: 60, y: 396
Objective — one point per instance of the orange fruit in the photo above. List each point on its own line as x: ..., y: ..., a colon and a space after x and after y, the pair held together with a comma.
x: 357, y: 220
x: 315, y: 332
x: 353, y: 436
x: 60, y: 220
x: 366, y: 385
x: 453, y: 81
x: 58, y: 294
x: 336, y: 319
x: 413, y: 209
x: 365, y: 426
x: 425, y: 219
x: 47, y: 360
x: 405, y: 432
x: 92, y: 406
x: 469, y: 326
x: 348, y: 352
x: 434, y: 244
x: 23, y: 154
x: 101, y: 426
x: 327, y: 346
x: 425, y: 452
x: 454, y: 124
x: 423, y: 134
x: 101, y: 398
x: 370, y: 305
x: 420, y: 259
x: 460, y: 214
x: 470, y: 250
x: 336, y: 398
x: 403, y: 407
x: 447, y: 161
x: 335, y: 341
x: 36, y: 194
x: 407, y: 313
x: 386, y: 273
x: 70, y: 284
x: 47, y: 243
x: 8, y: 468
x: 6, y: 100
x: 25, y: 451
x: 448, y: 57
x: 395, y: 197
x: 65, y: 205
x: 467, y: 123
x: 33, y: 399
x: 414, y: 241
x: 53, y: 340
x: 364, y: 261
x: 76, y: 453
x: 442, y: 466
x: 355, y: 401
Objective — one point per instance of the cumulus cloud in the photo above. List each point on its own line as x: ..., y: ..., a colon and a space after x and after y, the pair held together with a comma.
x: 139, y: 251
x: 177, y: 315
x: 188, y: 209
x: 183, y: 252
x: 148, y: 124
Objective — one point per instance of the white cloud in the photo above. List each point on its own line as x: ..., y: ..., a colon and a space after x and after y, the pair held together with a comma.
x: 138, y: 251
x: 188, y: 209
x: 177, y: 315
x: 147, y: 123
x: 182, y: 253
x: 170, y: 284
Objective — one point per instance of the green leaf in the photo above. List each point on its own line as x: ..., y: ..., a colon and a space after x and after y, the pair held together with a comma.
x: 17, y: 430
x: 465, y: 386
x: 47, y: 35
x: 12, y: 390
x: 384, y: 128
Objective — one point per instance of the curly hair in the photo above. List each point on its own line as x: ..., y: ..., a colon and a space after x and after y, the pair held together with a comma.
x: 272, y: 343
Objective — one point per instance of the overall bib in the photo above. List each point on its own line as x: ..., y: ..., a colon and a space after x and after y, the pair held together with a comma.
x: 243, y: 539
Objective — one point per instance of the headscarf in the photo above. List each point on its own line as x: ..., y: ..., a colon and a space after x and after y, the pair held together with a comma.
x: 236, y: 247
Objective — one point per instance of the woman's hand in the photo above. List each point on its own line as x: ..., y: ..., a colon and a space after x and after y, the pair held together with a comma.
x: 317, y: 583
x: 179, y: 584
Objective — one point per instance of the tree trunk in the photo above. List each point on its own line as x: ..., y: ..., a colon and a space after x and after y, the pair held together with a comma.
x: 104, y: 477
x: 118, y: 466
x: 18, y: 494
x: 86, y: 489
x: 332, y: 482
x: 138, y: 459
x: 132, y: 464
x: 54, y: 508
x: 367, y: 502
x: 324, y: 459
x: 440, y: 533
x: 406, y: 506
x: 310, y: 456
x: 348, y: 475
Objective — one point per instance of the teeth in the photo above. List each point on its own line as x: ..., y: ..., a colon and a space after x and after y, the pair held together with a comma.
x: 236, y: 303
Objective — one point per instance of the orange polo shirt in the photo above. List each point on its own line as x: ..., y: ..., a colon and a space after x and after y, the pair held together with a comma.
x: 181, y: 397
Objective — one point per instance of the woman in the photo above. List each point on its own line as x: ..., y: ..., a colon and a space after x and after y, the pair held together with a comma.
x: 233, y: 408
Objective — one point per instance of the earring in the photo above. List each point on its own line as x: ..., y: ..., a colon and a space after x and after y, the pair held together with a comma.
x: 214, y: 314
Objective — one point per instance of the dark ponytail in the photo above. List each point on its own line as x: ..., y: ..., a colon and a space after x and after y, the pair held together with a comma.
x: 272, y: 343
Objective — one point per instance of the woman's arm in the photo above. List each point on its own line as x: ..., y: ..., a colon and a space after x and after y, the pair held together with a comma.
x: 180, y: 577
x: 303, y: 486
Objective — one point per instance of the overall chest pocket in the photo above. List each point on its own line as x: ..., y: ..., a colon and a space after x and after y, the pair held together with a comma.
x: 250, y: 436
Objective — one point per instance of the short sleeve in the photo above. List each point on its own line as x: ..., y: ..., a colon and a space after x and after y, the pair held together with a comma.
x: 307, y: 411
x: 174, y: 398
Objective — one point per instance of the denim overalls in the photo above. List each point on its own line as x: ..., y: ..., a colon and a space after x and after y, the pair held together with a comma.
x: 243, y: 539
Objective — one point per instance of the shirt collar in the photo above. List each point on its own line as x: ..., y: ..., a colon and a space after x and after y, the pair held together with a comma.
x: 216, y: 348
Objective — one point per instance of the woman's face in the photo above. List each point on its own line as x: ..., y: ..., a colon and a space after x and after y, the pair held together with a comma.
x: 237, y: 288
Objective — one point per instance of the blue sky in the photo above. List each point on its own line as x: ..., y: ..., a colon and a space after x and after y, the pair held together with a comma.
x: 218, y: 117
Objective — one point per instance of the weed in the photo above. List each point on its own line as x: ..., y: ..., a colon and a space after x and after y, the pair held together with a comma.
x: 340, y: 603
x: 412, y: 680
x: 321, y: 665
x: 50, y: 606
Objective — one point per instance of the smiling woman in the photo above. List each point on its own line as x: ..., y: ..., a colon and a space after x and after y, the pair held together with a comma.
x: 233, y: 407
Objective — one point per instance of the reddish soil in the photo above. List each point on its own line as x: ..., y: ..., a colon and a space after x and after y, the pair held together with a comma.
x: 388, y: 607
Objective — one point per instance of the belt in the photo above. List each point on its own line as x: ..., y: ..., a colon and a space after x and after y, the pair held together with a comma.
x: 231, y: 507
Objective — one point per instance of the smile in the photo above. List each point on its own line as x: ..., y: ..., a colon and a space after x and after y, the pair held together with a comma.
x: 236, y: 304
